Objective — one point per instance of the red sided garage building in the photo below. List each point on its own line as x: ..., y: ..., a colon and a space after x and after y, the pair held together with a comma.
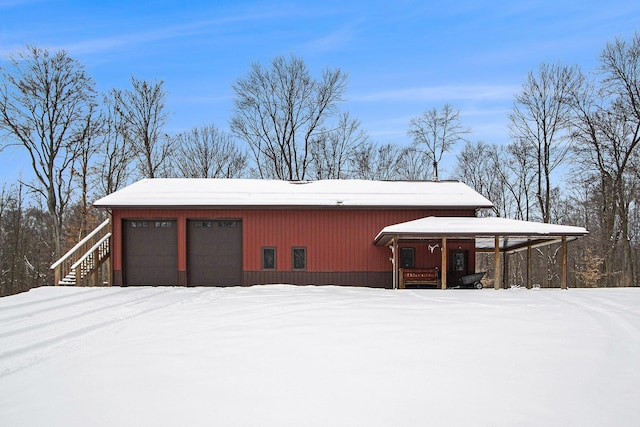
x: 219, y: 232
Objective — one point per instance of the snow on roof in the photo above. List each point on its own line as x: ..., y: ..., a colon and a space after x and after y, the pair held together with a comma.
x: 512, y: 232
x: 187, y: 192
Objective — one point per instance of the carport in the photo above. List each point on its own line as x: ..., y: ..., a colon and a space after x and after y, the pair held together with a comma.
x: 491, y: 234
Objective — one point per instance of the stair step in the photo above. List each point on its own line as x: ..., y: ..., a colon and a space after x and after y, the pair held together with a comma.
x: 69, y: 279
x: 89, y: 262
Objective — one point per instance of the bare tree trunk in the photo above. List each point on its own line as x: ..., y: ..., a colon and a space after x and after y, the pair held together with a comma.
x: 436, y: 132
x: 208, y: 152
x: 280, y: 111
x: 43, y: 102
x: 143, y: 116
x: 541, y: 116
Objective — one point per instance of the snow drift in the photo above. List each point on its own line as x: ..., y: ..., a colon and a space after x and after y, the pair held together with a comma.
x: 319, y: 356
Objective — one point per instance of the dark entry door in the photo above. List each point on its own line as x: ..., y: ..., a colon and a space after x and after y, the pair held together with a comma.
x: 150, y: 253
x: 214, y: 252
x: 458, y: 266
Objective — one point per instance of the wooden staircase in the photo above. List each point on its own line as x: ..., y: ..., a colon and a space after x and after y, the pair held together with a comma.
x: 81, y: 265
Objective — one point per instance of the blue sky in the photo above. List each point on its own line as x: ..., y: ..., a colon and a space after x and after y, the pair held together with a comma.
x: 402, y: 57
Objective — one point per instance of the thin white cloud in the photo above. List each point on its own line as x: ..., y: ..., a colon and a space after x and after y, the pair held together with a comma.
x: 98, y: 45
x: 160, y: 33
x: 7, y: 51
x: 334, y: 40
x: 481, y: 112
x: 135, y: 39
x: 438, y: 93
x: 331, y: 41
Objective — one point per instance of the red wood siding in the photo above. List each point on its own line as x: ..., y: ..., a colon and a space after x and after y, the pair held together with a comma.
x: 426, y: 259
x: 337, y: 240
x: 376, y: 279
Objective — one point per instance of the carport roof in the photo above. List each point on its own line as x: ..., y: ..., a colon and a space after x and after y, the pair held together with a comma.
x: 513, y: 234
x: 239, y: 193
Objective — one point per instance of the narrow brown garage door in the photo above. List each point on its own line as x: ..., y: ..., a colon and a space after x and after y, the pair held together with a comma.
x: 214, y: 252
x: 150, y: 253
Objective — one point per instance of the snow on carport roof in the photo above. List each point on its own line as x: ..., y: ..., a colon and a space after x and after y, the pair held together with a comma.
x: 513, y: 233
x: 183, y: 192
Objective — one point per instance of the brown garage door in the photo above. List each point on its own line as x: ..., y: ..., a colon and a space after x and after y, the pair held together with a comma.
x: 214, y: 252
x: 150, y: 253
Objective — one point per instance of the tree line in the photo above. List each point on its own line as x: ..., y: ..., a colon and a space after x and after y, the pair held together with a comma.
x: 572, y: 158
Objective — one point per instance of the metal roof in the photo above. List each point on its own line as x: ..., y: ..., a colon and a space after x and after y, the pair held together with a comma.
x: 239, y: 193
x: 513, y: 234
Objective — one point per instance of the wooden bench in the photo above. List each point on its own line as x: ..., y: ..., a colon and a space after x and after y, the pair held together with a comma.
x: 419, y: 276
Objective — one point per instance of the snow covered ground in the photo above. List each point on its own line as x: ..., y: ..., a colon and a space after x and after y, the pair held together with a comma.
x: 319, y: 356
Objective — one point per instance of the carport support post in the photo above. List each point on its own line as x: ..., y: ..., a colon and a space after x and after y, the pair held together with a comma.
x: 110, y: 255
x: 443, y: 266
x: 505, y: 269
x: 497, y: 279
x: 394, y: 261
x: 529, y: 267
x: 563, y: 274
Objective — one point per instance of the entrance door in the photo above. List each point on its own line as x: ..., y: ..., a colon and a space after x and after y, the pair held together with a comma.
x: 150, y: 253
x: 458, y: 266
x: 214, y: 252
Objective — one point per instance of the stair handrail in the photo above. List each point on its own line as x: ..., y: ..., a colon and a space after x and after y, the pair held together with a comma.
x: 82, y: 242
x: 90, y: 251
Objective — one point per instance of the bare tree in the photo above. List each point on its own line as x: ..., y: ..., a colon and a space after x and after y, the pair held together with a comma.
x: 25, y: 237
x: 209, y: 152
x: 502, y: 174
x: 521, y: 165
x: 113, y: 166
x: 481, y: 167
x: 332, y: 149
x: 607, y: 134
x: 620, y: 64
x: 541, y: 117
x: 142, y: 114
x: 44, y: 103
x: 412, y: 164
x: 436, y: 132
x: 376, y: 162
x: 5, y: 200
x: 280, y: 110
x: 11, y: 231
x: 82, y: 172
x: 475, y: 165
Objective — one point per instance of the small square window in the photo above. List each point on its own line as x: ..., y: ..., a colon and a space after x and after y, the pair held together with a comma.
x: 227, y: 224
x: 268, y: 258
x: 299, y: 257
x: 202, y: 224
